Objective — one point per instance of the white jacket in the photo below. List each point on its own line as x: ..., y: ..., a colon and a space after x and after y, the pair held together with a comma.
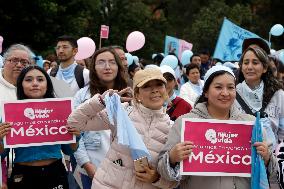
x: 7, y: 90
x: 188, y: 93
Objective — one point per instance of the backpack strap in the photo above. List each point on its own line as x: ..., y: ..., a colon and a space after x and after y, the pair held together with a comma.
x: 246, y: 107
x: 78, y: 72
x: 243, y: 104
x: 54, y: 71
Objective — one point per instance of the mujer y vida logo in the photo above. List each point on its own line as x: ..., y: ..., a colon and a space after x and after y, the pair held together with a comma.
x: 37, y: 113
x: 222, y: 137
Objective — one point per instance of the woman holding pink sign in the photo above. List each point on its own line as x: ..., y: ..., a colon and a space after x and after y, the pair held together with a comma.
x: 216, y: 102
x: 38, y: 166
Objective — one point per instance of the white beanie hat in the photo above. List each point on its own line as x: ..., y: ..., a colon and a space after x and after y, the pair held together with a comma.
x: 217, y: 68
x: 168, y: 69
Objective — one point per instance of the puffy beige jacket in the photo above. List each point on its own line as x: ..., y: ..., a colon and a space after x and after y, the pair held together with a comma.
x: 153, y: 126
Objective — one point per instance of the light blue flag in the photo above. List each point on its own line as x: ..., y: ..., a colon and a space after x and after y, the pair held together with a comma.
x: 258, y: 171
x: 171, y: 45
x: 229, y: 44
x: 126, y: 132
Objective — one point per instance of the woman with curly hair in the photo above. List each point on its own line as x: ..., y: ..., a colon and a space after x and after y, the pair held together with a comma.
x: 259, y: 90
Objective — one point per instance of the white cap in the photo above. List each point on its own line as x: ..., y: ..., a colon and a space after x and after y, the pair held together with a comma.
x: 168, y: 69
x: 151, y: 66
x: 217, y: 68
x: 230, y: 65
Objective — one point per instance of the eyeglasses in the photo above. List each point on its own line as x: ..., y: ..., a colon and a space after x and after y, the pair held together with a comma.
x: 65, y: 47
x: 15, y: 61
x: 103, y: 63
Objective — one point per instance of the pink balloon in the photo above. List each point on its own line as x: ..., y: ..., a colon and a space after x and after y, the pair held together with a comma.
x: 86, y: 48
x: 135, y: 41
x: 1, y: 41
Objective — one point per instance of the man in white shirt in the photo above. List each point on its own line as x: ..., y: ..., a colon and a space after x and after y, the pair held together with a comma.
x: 69, y: 71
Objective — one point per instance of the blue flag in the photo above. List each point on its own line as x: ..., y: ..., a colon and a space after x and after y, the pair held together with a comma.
x: 229, y: 44
x: 258, y: 171
x: 126, y: 132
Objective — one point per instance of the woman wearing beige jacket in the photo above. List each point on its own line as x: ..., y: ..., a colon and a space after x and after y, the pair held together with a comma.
x: 149, y: 119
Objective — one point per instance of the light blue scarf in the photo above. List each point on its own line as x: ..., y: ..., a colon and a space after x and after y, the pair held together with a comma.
x: 258, y: 171
x: 126, y: 132
x: 166, y: 103
x: 66, y: 74
x: 198, y: 88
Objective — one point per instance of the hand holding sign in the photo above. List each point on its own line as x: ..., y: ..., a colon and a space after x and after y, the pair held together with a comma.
x: 5, y: 128
x: 73, y: 131
x: 180, y: 152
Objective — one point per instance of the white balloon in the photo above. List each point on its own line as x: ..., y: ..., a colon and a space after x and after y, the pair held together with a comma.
x: 272, y: 51
x: 277, y: 30
x: 171, y: 61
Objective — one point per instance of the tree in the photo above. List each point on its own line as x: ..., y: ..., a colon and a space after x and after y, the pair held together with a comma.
x: 209, y: 20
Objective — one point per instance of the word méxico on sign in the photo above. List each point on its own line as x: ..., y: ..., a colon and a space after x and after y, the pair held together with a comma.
x: 216, y: 158
x: 39, y: 131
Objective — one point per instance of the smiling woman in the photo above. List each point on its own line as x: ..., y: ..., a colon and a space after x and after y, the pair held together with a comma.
x: 261, y: 91
x: 216, y: 102
x: 38, y: 163
x: 149, y: 118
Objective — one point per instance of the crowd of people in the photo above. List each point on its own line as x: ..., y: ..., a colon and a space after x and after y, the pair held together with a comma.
x: 155, y: 98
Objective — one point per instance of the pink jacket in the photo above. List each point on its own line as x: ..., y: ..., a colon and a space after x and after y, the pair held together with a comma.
x: 153, y: 125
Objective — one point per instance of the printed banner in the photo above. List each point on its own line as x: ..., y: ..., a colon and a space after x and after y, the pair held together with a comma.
x: 175, y: 45
x: 104, y: 31
x: 229, y: 44
x: 37, y: 122
x: 221, y: 147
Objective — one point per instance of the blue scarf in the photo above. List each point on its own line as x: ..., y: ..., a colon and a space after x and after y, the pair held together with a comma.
x: 258, y: 171
x: 126, y: 132
x: 66, y: 74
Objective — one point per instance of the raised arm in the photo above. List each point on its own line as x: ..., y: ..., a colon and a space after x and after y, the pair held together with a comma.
x: 90, y: 115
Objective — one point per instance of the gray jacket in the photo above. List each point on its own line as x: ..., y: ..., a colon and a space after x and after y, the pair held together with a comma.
x: 199, y: 182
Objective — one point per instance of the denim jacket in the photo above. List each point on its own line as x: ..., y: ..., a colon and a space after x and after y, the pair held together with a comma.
x: 93, y: 145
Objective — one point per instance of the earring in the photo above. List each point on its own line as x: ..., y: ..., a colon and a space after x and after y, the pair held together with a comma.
x: 139, y: 100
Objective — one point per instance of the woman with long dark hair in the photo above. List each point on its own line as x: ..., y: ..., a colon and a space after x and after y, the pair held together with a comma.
x: 106, y: 72
x: 259, y: 90
x: 216, y: 102
x: 39, y: 166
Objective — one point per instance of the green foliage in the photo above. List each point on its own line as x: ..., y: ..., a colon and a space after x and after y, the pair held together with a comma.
x: 209, y: 22
x: 38, y: 23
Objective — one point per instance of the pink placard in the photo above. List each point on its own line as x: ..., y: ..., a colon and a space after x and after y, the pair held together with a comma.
x: 37, y: 122
x: 221, y: 147
x: 104, y: 31
x: 183, y: 45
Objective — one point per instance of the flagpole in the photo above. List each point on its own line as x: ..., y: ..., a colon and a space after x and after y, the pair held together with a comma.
x: 100, y: 42
x: 269, y: 40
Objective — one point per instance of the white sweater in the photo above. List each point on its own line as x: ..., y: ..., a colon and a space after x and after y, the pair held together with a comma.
x: 7, y: 90
x: 188, y: 93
